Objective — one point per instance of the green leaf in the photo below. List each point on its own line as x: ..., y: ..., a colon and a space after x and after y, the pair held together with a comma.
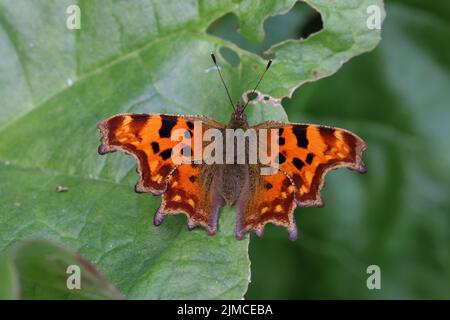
x: 41, y: 269
x: 397, y: 215
x: 140, y: 56
x: 9, y: 284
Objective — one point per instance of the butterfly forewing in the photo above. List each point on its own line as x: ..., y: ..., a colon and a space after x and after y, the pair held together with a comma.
x: 307, y: 152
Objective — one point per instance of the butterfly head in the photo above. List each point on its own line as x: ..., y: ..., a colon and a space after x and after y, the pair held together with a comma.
x: 239, y: 114
x: 238, y: 117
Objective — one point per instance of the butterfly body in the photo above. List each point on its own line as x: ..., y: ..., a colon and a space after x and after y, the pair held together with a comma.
x: 233, y: 176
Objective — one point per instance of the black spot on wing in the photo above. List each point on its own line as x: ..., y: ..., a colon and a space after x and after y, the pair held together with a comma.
x: 298, y: 163
x: 280, y: 158
x: 281, y: 141
x: 141, y: 117
x: 155, y: 147
x: 300, y: 135
x: 190, y: 125
x: 309, y: 158
x: 192, y: 179
x: 166, y: 127
x: 328, y: 137
x: 137, y: 124
x: 166, y: 154
x: 268, y: 186
x: 351, y: 141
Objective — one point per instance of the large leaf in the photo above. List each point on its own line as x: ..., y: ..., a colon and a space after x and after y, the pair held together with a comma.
x: 397, y: 215
x: 40, y: 269
x: 139, y: 56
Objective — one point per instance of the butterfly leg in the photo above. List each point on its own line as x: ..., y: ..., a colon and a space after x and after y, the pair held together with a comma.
x: 158, y: 218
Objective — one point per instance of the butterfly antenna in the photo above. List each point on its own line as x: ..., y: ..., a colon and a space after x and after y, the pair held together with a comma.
x: 213, y: 57
x: 260, y: 79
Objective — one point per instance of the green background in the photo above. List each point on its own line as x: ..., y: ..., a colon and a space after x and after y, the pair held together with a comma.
x: 398, y: 215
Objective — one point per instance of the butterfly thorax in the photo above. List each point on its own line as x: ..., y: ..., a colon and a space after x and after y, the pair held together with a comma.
x: 234, y: 176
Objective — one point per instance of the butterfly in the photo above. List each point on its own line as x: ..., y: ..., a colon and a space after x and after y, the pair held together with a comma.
x: 305, y: 154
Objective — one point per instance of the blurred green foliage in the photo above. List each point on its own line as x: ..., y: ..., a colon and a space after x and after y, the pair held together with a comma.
x: 398, y: 216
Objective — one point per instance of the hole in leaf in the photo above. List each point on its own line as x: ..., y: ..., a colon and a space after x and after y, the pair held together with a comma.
x: 251, y: 96
x: 300, y: 22
x: 312, y: 25
x: 230, y: 56
x: 285, y: 102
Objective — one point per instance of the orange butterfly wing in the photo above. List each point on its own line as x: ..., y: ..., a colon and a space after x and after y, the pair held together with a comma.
x: 266, y: 198
x: 306, y: 153
x: 184, y: 187
x: 191, y: 190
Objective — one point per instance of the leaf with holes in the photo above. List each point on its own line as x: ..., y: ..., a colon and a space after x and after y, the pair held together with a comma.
x: 142, y: 56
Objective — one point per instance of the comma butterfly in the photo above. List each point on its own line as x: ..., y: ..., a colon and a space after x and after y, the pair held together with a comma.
x: 305, y: 154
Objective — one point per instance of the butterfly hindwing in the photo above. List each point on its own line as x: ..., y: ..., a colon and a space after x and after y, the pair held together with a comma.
x: 191, y: 189
x: 267, y: 198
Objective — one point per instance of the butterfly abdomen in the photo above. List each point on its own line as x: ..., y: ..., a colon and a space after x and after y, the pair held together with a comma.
x: 232, y: 177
